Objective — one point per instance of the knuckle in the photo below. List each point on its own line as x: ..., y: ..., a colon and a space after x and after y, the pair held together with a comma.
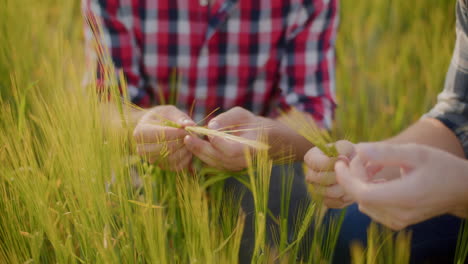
x: 312, y: 174
x: 237, y: 109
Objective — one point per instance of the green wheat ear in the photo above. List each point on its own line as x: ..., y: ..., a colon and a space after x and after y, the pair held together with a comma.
x: 305, y: 126
x: 383, y: 246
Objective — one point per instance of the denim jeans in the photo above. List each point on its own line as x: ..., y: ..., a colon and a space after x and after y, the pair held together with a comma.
x: 433, y: 241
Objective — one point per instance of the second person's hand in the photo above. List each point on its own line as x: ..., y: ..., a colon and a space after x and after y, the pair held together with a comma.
x: 321, y: 174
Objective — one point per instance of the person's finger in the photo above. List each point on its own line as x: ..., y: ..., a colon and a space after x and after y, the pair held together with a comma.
x: 373, y: 170
x: 159, y: 148
x: 345, y: 148
x: 352, y: 184
x: 204, y: 151
x: 227, y: 147
x: 335, y: 203
x: 324, y: 178
x: 147, y: 133
x: 333, y: 191
x: 347, y: 198
x: 404, y: 156
x: 316, y: 160
x: 235, y: 166
x: 236, y: 116
x: 168, y: 112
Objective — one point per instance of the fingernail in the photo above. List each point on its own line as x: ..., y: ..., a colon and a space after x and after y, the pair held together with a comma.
x: 186, y: 122
x: 213, y: 124
x: 189, y: 122
x: 187, y: 139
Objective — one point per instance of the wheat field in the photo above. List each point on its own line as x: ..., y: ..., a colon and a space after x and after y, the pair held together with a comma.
x: 68, y: 191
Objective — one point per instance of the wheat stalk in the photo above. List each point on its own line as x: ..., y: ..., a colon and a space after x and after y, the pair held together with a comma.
x: 305, y: 126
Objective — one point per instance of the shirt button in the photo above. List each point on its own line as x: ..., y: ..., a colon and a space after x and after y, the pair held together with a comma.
x: 203, y: 2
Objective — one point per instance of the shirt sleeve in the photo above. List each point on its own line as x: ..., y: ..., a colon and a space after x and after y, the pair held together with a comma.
x: 307, y: 77
x: 118, y: 35
x: 452, y: 103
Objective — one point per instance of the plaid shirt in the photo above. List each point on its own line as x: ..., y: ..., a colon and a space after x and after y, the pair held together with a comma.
x: 452, y: 106
x: 257, y: 54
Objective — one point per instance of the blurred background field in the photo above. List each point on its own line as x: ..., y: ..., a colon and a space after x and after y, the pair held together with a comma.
x: 65, y: 192
x: 392, y: 60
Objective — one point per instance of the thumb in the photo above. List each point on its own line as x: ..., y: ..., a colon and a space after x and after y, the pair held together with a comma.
x: 351, y: 182
x: 345, y: 148
x: 384, y: 154
x: 237, y: 116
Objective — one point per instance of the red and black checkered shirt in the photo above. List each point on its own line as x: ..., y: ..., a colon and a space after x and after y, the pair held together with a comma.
x: 257, y: 54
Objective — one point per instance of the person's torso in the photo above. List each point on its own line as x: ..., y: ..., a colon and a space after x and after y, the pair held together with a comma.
x: 225, y: 54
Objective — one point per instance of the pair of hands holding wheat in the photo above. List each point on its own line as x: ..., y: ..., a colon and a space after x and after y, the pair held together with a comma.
x: 173, y: 147
x: 396, y: 185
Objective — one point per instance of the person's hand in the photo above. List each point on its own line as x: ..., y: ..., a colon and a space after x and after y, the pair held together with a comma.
x: 433, y: 183
x: 320, y: 173
x: 158, y: 142
x: 222, y: 153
